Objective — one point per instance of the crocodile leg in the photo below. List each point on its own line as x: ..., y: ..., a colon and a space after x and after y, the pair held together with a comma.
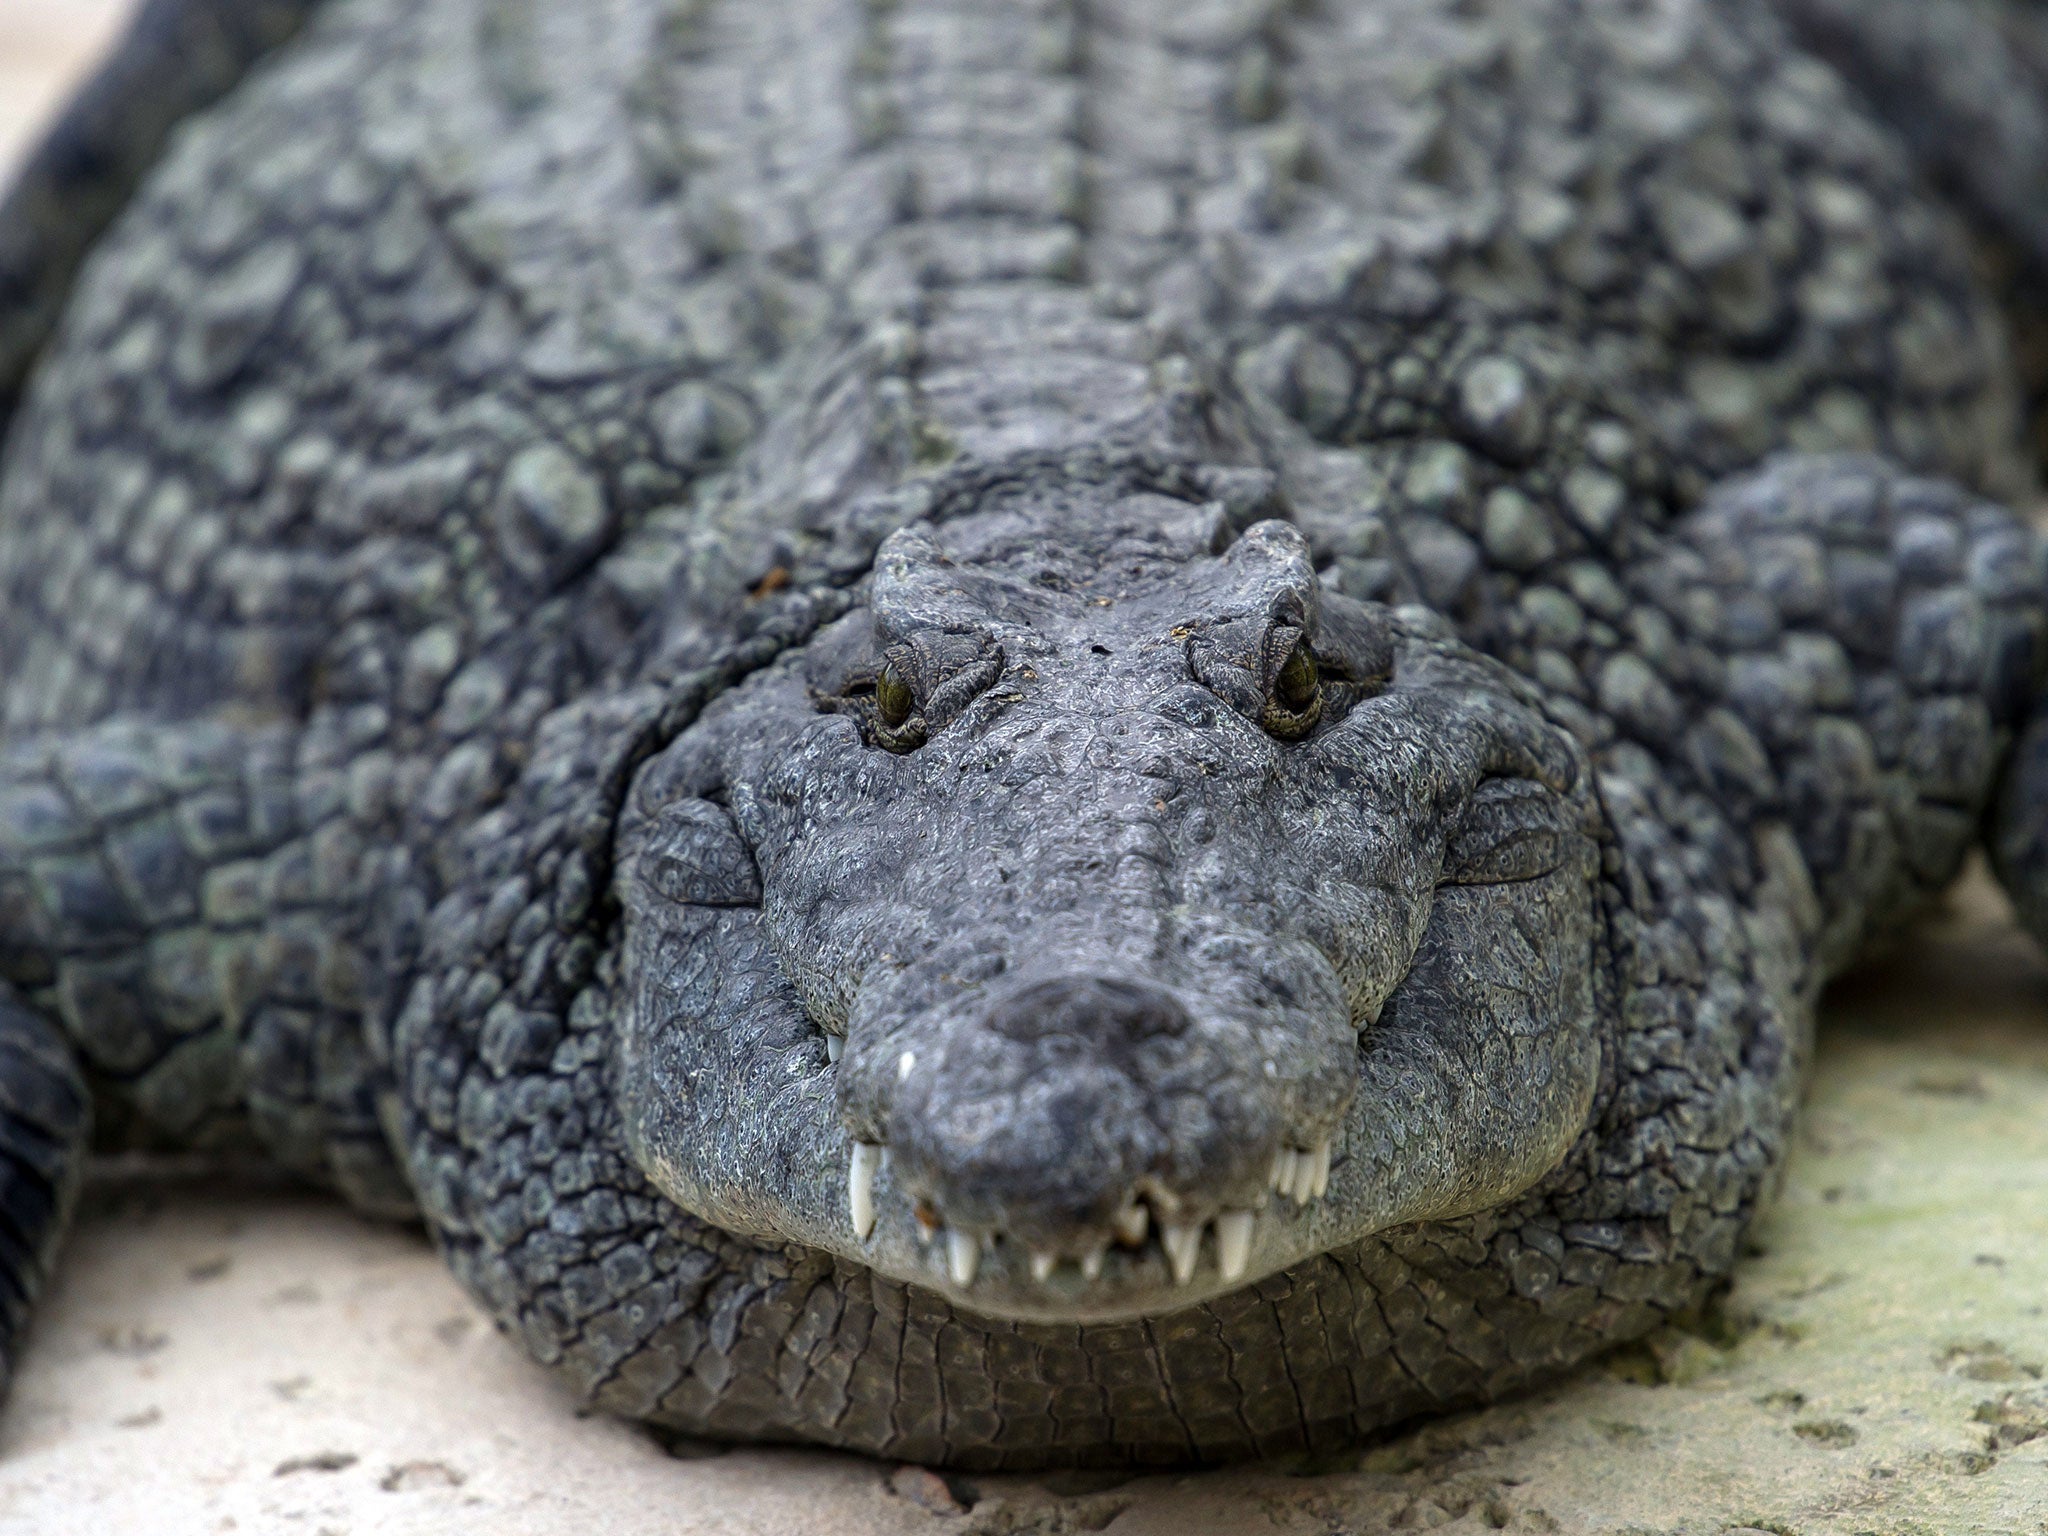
x: 1968, y: 86
x: 118, y: 846
x: 1843, y: 651
x: 159, y: 901
x: 44, y: 1121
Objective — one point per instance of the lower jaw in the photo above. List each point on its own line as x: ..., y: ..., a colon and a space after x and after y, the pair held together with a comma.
x: 1036, y: 1305
x: 1126, y: 1284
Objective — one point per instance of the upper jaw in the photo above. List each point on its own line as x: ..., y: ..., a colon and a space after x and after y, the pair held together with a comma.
x: 1112, y: 1176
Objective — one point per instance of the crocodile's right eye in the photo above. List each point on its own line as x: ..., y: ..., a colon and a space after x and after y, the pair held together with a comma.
x: 1300, y: 679
x: 1297, y: 699
x: 893, y: 699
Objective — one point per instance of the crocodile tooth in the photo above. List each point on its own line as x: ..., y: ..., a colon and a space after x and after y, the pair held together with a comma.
x: 860, y: 1186
x: 1183, y: 1245
x: 1283, y: 1170
x: 1304, y: 1177
x: 1131, y: 1222
x: 1164, y: 1201
x: 1320, y: 1185
x: 963, y: 1256
x: 1091, y: 1262
x: 1041, y: 1265
x: 1234, y: 1243
x: 835, y: 1047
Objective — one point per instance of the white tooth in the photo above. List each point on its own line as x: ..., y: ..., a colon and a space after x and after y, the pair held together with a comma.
x: 1041, y: 1265
x: 860, y: 1186
x: 1320, y: 1185
x: 1183, y: 1245
x: 1131, y: 1222
x: 1284, y: 1162
x: 1304, y: 1177
x: 1091, y: 1262
x: 1164, y: 1201
x: 835, y: 1047
x: 963, y: 1255
x: 1234, y: 1243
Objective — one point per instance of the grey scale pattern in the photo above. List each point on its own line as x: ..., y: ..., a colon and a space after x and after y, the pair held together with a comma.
x: 484, y: 437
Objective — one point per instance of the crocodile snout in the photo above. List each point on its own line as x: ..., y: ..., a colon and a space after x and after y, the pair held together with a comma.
x: 1083, y: 1122
x: 1043, y: 1110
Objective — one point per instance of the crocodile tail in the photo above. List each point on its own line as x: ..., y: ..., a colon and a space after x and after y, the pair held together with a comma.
x: 177, y: 57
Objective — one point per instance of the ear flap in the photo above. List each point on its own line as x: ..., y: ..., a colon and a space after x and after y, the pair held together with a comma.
x: 690, y: 853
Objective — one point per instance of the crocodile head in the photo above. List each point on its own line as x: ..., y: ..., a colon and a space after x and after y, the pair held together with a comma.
x: 1107, y: 915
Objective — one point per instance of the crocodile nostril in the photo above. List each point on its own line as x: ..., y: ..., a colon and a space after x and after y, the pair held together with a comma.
x: 1095, y: 1008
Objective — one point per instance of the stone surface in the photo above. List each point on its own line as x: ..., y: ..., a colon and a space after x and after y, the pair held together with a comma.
x: 256, y: 1359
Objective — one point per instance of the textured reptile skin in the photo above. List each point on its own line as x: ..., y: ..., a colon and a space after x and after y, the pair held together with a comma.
x: 451, y: 547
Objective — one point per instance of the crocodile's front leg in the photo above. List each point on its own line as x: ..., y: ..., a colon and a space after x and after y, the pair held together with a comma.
x: 165, y: 934
x: 1831, y: 658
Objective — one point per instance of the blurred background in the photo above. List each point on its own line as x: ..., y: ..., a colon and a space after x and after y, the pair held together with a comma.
x: 45, y: 46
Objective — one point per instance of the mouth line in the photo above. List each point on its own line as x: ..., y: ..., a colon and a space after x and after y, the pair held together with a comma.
x: 1155, y: 1230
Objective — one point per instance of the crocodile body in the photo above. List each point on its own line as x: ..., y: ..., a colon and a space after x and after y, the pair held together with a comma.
x: 1023, y: 734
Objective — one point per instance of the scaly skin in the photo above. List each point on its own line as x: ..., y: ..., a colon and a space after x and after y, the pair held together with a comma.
x: 834, y: 676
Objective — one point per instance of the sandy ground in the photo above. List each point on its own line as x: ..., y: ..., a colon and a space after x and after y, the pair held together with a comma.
x: 236, y: 1356
x: 43, y: 46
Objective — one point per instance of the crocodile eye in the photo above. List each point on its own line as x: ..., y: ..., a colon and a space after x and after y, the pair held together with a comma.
x: 1299, y: 681
x: 893, y: 698
x: 1297, y: 701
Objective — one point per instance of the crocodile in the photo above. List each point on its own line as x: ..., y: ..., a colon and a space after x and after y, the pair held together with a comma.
x: 1011, y: 733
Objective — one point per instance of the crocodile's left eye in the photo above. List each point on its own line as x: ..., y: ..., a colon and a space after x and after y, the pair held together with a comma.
x: 923, y: 686
x: 1297, y: 701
